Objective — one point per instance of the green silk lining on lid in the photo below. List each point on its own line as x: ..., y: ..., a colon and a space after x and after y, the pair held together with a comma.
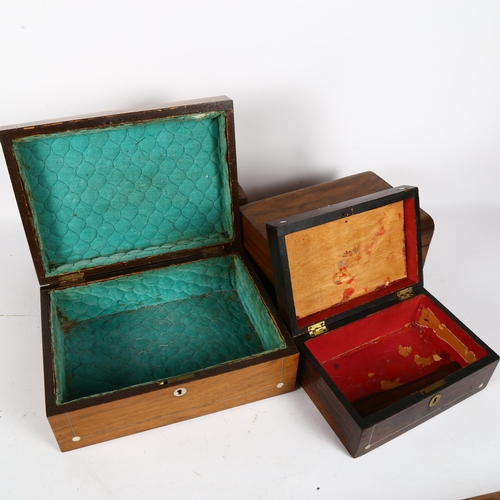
x: 104, y: 196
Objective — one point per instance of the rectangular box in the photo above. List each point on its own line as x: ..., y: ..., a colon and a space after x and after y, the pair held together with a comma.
x: 379, y: 353
x: 151, y: 312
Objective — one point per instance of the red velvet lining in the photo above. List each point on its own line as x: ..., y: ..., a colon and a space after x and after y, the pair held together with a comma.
x: 412, y: 271
x: 411, y: 240
x: 388, y: 349
x: 457, y: 332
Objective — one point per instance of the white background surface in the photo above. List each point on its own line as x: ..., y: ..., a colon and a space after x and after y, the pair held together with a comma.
x: 321, y: 90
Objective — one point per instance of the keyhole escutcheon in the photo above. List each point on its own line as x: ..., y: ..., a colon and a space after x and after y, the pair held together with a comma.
x: 434, y: 400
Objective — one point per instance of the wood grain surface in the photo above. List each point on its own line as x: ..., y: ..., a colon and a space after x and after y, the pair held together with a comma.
x: 346, y: 258
x: 127, y: 416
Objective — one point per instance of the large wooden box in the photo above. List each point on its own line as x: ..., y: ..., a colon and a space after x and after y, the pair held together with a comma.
x: 379, y: 354
x: 151, y: 313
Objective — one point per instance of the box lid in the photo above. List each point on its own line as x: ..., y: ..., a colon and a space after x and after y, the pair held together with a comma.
x: 340, y: 260
x: 100, y: 193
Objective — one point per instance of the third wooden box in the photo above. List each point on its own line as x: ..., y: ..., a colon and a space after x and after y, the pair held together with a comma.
x: 257, y: 214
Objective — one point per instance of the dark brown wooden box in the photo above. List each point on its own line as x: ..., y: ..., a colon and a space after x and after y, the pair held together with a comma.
x: 151, y: 312
x: 257, y: 214
x: 379, y: 354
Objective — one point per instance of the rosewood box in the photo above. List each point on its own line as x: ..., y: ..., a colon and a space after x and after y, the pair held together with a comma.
x: 151, y: 312
x: 379, y: 354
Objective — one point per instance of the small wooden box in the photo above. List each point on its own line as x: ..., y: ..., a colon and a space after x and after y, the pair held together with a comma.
x: 257, y: 214
x: 379, y: 354
x: 151, y: 313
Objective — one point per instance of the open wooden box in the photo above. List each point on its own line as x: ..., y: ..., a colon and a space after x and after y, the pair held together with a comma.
x: 379, y: 353
x: 151, y: 313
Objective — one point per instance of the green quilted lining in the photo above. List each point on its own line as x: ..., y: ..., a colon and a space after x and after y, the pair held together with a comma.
x: 156, y: 325
x: 102, y: 196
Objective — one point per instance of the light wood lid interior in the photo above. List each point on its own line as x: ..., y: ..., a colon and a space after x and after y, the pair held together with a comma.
x: 338, y: 261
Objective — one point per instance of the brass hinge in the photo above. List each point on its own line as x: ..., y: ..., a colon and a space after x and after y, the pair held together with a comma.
x: 71, y: 279
x: 180, y: 378
x: 317, y: 329
x: 405, y: 293
x: 210, y: 251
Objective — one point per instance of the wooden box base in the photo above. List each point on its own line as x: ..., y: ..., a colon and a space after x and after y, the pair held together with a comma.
x: 380, y: 376
x: 150, y: 348
x: 163, y: 405
x: 359, y: 436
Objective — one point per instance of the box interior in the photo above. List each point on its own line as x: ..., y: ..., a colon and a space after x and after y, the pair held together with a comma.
x: 384, y: 357
x: 151, y: 326
x: 350, y: 261
x: 106, y: 195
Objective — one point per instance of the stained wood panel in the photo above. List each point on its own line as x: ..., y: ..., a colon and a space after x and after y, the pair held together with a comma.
x: 346, y: 258
x: 115, y: 419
